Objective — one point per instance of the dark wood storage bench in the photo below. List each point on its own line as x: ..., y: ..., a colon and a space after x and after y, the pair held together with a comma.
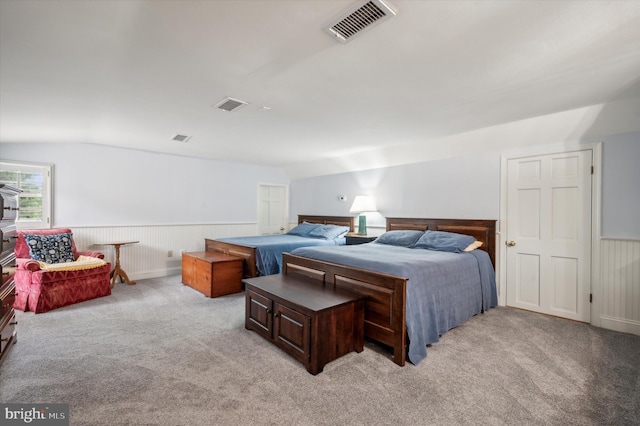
x: 213, y: 274
x: 312, y: 323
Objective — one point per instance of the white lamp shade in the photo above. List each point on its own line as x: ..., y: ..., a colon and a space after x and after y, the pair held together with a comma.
x: 363, y: 203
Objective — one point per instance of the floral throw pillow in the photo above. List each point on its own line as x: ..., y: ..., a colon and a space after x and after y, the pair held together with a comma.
x: 56, y: 248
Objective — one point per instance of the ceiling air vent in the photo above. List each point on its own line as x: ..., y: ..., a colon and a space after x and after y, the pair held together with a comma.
x: 355, y: 20
x: 180, y: 138
x: 230, y: 104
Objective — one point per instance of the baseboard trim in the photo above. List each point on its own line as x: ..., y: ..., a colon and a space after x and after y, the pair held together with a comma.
x: 620, y: 324
x: 156, y: 273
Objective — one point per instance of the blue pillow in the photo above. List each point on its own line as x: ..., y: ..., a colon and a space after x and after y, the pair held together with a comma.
x: 444, y: 241
x: 56, y: 248
x: 329, y: 232
x: 400, y: 238
x: 303, y: 229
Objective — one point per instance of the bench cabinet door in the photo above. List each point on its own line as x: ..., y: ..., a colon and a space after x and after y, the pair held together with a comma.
x: 292, y: 332
x: 259, y: 314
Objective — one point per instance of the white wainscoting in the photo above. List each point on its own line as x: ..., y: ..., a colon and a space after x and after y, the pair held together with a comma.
x: 149, y: 258
x: 620, y: 283
x: 619, y: 260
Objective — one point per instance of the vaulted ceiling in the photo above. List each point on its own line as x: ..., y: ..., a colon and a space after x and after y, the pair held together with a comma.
x: 135, y: 73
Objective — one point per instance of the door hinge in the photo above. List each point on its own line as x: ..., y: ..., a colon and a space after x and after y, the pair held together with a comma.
x: 590, y: 297
x: 592, y: 169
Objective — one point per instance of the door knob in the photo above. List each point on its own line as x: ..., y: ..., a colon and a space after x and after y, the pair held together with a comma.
x: 510, y: 243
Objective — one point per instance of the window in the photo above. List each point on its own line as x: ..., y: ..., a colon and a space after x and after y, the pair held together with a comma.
x: 34, y: 202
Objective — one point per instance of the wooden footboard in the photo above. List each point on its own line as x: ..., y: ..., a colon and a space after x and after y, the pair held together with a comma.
x: 385, y: 319
x: 249, y: 269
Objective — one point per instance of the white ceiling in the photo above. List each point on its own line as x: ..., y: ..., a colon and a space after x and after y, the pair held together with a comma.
x: 134, y: 73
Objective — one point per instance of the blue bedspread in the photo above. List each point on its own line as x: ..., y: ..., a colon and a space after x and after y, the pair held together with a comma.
x: 444, y: 289
x: 269, y: 248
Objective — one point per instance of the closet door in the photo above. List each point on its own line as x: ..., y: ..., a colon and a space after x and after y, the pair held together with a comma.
x: 549, y: 234
x: 272, y: 209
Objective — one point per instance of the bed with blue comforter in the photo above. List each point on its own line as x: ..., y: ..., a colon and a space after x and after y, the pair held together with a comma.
x: 263, y: 253
x: 269, y: 248
x: 445, y: 285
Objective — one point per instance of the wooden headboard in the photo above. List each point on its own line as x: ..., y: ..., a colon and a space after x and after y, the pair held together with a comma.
x: 482, y: 229
x: 329, y: 220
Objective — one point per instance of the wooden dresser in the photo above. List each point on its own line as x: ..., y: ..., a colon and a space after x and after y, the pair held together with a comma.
x: 211, y: 273
x: 8, y: 209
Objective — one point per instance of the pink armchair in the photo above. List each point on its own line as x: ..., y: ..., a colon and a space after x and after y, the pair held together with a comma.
x: 39, y: 290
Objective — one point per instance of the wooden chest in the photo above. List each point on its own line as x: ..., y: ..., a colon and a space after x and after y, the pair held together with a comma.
x: 212, y: 274
x: 312, y: 323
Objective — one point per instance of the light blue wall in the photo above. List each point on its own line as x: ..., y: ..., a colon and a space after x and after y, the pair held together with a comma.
x: 103, y: 186
x: 621, y: 187
x: 464, y: 187
x: 469, y: 187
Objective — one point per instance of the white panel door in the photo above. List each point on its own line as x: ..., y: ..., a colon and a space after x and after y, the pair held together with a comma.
x: 549, y: 234
x: 272, y: 209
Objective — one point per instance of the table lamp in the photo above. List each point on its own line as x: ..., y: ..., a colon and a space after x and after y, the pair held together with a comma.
x: 362, y: 204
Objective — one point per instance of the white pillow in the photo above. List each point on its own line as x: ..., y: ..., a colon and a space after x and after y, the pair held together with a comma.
x: 474, y: 245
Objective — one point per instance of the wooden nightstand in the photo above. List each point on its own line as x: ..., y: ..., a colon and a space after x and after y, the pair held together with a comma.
x: 354, y: 239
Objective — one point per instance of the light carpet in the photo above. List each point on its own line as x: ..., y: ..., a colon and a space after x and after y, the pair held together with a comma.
x: 160, y: 353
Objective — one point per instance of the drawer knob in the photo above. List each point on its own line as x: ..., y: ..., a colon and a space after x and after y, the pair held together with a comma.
x: 6, y: 339
x: 6, y: 241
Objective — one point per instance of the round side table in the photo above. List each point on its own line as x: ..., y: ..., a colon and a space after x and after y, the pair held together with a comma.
x: 117, y: 270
